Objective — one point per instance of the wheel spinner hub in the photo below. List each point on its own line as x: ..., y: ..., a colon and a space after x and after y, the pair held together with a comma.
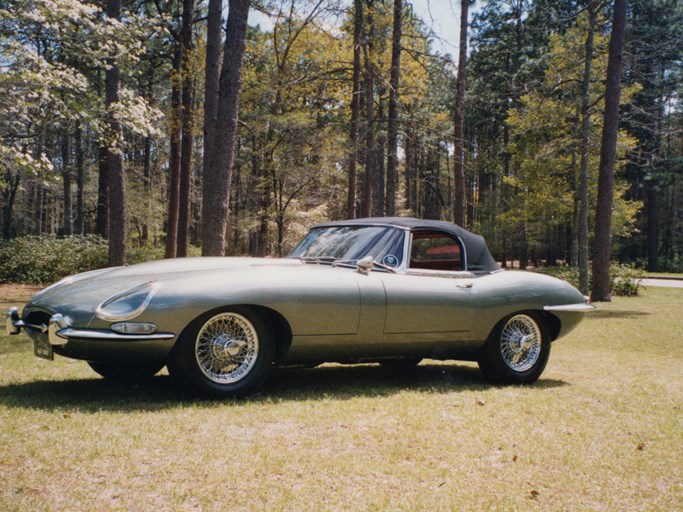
x: 224, y: 347
x: 520, y: 343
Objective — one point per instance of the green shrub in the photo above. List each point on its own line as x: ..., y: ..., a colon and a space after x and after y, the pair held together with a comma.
x: 45, y: 259
x: 624, y: 279
x: 145, y: 253
x: 668, y: 266
x: 569, y: 274
x: 151, y: 252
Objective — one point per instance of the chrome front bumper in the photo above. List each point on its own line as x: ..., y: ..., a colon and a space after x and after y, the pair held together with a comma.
x: 59, y: 330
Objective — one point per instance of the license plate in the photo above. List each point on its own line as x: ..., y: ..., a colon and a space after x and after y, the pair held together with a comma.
x: 43, y: 349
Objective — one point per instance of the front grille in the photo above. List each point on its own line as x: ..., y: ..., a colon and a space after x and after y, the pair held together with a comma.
x: 35, y: 318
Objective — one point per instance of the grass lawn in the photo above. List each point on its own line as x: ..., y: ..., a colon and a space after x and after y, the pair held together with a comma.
x: 601, y: 430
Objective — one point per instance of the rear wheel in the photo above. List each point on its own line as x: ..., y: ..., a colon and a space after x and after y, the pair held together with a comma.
x: 224, y: 354
x: 517, y: 349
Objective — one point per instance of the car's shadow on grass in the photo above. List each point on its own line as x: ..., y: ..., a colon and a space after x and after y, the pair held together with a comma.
x: 345, y: 382
x: 326, y: 382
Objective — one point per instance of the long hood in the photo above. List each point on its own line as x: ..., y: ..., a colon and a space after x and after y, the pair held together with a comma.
x: 92, y: 288
x: 170, y: 267
x: 307, y: 295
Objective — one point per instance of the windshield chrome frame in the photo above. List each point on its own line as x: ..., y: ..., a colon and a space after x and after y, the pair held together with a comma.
x: 403, y: 267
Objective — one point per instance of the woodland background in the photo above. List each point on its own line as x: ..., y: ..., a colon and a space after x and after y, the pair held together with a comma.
x: 346, y: 110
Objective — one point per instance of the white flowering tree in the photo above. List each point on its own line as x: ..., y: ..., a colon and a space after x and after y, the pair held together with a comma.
x: 53, y: 58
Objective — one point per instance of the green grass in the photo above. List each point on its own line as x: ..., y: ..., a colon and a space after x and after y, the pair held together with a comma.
x: 601, y: 430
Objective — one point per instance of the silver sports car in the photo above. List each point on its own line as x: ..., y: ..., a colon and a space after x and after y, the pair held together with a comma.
x: 386, y: 290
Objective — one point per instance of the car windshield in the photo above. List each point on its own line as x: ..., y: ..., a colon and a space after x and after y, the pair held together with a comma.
x: 351, y: 243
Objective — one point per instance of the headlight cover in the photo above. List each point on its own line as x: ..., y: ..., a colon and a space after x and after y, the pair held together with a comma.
x: 127, y: 304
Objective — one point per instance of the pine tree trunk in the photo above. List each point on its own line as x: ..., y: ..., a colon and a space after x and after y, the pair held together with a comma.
x: 147, y: 181
x: 608, y: 155
x: 652, y: 213
x: 380, y: 150
x: 79, y: 223
x: 370, y: 164
x: 216, y: 187
x: 115, y: 171
x: 355, y: 109
x: 259, y: 178
x: 211, y: 75
x: 408, y: 172
x: 67, y: 219
x: 102, y: 219
x: 392, y: 128
x: 459, y: 130
x: 187, y: 117
x: 175, y: 155
x: 574, y: 250
x: 583, y: 170
x: 10, y: 194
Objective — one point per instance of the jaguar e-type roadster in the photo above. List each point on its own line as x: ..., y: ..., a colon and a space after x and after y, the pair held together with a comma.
x: 386, y: 290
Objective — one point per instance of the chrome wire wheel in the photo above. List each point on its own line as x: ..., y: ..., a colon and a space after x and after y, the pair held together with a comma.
x: 520, y: 343
x: 227, y: 348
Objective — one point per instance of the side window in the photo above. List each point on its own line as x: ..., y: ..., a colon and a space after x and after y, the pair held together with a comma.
x: 435, y: 251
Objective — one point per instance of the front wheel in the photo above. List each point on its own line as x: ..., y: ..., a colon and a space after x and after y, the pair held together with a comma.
x: 517, y: 350
x: 224, y: 354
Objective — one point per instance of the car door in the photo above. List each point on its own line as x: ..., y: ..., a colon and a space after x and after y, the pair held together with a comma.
x: 322, y: 301
x: 435, y: 300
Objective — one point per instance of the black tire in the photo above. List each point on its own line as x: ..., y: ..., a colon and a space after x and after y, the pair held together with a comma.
x: 224, y: 354
x: 517, y: 350
x: 126, y: 372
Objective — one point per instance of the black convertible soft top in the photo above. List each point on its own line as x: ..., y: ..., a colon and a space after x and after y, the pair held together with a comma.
x: 479, y: 258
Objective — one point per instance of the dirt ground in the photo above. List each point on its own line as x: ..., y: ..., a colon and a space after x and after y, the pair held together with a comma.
x: 15, y: 294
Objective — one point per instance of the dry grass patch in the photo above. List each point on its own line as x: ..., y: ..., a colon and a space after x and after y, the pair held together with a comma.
x: 601, y: 430
x: 11, y: 294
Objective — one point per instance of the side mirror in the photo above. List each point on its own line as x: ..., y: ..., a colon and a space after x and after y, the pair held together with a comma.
x: 365, y: 264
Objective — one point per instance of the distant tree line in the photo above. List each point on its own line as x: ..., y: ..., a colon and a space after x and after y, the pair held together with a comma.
x: 178, y: 124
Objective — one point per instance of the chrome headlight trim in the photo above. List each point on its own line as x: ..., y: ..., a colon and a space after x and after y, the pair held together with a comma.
x: 138, y: 298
